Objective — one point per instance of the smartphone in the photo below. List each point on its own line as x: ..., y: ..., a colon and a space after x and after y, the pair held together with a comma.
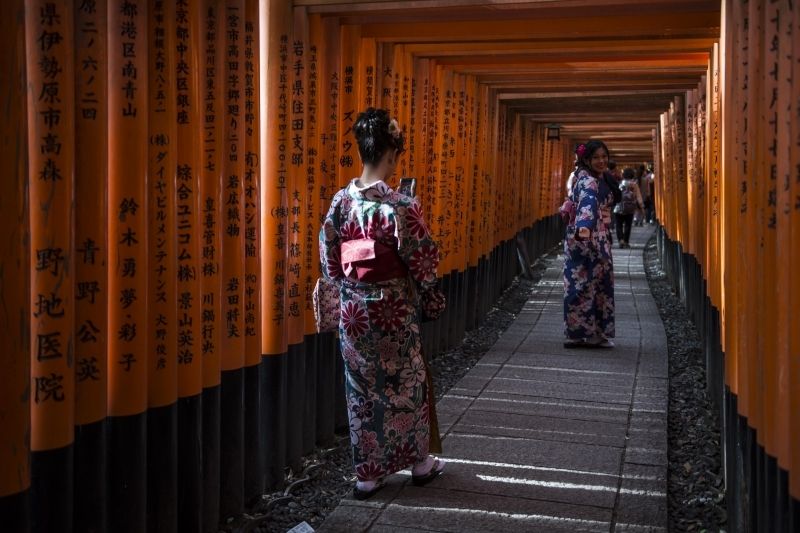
x: 408, y: 186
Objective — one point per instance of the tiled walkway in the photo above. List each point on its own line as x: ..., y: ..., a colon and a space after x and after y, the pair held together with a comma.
x: 541, y: 438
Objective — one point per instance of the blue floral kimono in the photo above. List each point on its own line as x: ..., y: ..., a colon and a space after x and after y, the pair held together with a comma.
x: 385, y: 381
x: 588, y: 267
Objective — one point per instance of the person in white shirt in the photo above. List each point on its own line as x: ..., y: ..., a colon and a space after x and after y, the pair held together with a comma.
x: 624, y: 210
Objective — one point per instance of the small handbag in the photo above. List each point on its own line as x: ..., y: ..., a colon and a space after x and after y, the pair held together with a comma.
x: 568, y: 211
x: 432, y: 304
x: 327, y: 310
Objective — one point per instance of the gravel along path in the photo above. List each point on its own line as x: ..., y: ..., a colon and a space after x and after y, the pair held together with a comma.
x: 696, y: 487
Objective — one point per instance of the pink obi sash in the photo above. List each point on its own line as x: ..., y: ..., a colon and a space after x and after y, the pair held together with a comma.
x: 371, y: 261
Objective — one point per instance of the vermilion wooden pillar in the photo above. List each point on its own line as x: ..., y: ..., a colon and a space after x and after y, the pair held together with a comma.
x: 211, y: 321
x: 782, y: 28
x: 91, y: 265
x: 309, y: 187
x: 274, y: 150
x: 233, y: 262
x: 324, y: 47
x: 127, y: 254
x: 752, y: 216
x: 49, y: 34
x: 189, y: 91
x: 295, y: 301
x: 253, y: 429
x: 794, y: 288
x: 15, y: 474
x: 162, y: 314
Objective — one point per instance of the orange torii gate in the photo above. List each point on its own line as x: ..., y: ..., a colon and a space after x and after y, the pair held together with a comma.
x: 169, y: 163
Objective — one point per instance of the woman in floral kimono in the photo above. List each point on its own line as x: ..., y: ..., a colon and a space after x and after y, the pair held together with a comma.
x: 588, y: 268
x: 374, y: 241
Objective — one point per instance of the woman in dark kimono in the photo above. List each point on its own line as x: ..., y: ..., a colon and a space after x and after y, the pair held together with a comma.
x: 375, y: 243
x: 588, y: 267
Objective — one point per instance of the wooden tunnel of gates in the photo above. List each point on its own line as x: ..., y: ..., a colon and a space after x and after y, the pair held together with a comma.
x: 166, y: 165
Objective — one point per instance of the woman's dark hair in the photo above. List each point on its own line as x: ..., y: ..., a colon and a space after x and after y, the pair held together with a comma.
x: 628, y: 174
x: 585, y: 161
x: 373, y: 136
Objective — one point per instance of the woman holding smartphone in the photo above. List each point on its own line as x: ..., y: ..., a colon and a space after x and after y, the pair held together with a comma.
x: 374, y: 242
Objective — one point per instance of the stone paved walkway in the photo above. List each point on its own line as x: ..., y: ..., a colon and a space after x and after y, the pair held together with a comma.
x: 541, y: 438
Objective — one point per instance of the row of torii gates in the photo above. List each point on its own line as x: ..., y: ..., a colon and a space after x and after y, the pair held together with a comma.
x: 165, y: 165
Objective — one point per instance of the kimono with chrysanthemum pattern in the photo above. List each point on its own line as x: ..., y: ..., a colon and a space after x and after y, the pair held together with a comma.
x: 385, y: 374
x: 588, y: 265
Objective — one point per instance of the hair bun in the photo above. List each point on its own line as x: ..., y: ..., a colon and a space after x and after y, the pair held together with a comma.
x: 369, y: 122
x: 376, y: 132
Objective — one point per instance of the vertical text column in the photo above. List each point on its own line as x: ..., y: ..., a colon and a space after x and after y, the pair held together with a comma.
x: 91, y: 172
x: 49, y: 36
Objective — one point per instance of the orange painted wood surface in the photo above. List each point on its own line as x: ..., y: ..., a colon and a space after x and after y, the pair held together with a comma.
x: 127, y: 223
x: 49, y: 34
x: 162, y: 308
x: 793, y: 317
x: 275, y: 150
x: 211, y: 214
x: 313, y: 208
x: 91, y: 178
x: 252, y: 187
x: 233, y: 175
x: 15, y: 276
x: 296, y: 191
x: 188, y: 115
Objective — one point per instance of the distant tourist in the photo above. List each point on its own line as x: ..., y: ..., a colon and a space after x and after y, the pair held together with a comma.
x: 630, y: 203
x: 648, y: 196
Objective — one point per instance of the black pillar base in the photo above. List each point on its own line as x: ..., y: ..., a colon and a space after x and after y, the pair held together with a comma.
x: 15, y: 511
x: 162, y: 469
x: 211, y: 459
x: 253, y: 439
x: 273, y: 399
x: 190, y: 463
x: 90, y: 477
x: 231, y: 501
x: 127, y: 473
x: 326, y: 388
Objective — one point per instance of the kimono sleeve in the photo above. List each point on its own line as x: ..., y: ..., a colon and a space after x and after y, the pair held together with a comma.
x: 330, y: 244
x: 416, y: 246
x: 588, y: 211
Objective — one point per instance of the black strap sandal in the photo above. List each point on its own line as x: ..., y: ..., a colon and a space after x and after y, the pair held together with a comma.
x: 576, y: 343
x: 433, y: 473
x: 359, y: 494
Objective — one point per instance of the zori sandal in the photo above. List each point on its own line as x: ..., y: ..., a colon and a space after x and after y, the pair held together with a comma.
x: 359, y: 494
x: 433, y: 473
x: 575, y: 343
